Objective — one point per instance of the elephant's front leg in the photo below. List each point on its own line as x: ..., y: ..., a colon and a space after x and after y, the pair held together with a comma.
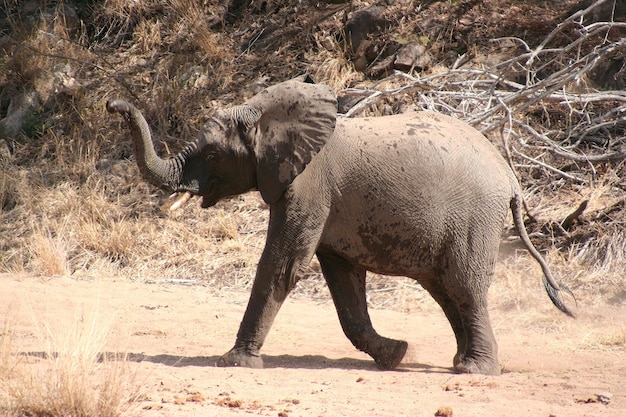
x: 347, y: 287
x: 291, y: 242
x: 269, y: 290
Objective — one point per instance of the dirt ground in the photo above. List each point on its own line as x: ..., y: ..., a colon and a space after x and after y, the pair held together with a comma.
x: 175, y: 333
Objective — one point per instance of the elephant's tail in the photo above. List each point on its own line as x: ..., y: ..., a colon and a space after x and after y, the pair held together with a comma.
x: 552, y: 288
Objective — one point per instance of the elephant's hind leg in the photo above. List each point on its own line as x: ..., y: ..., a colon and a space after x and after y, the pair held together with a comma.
x: 450, y: 309
x: 347, y: 287
x: 481, y: 355
x: 469, y: 293
x: 468, y: 272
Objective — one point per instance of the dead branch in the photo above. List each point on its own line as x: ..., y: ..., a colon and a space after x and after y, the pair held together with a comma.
x: 551, y: 168
x: 573, y: 216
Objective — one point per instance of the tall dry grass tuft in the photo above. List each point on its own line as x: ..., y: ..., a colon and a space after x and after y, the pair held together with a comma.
x: 335, y: 70
x: 49, y: 254
x: 70, y: 377
x: 6, y: 359
x: 196, y: 19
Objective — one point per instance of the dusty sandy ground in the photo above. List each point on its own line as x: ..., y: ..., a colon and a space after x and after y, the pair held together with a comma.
x: 175, y: 334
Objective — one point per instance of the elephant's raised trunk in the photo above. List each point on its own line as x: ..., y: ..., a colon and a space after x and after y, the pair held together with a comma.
x: 159, y: 172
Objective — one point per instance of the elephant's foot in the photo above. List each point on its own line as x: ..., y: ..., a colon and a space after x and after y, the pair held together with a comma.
x: 237, y: 357
x: 476, y: 366
x: 390, y: 353
x: 458, y: 358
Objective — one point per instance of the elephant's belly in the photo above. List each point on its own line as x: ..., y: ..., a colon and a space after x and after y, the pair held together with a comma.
x: 388, y: 249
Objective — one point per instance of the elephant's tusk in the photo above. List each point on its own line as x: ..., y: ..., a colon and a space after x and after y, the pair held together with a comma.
x: 179, y: 201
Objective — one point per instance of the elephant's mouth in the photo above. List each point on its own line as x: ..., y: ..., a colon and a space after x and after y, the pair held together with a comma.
x: 208, y: 201
x: 177, y: 201
x: 180, y: 198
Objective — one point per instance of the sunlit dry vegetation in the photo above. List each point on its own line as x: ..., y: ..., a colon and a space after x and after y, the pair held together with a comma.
x: 70, y: 377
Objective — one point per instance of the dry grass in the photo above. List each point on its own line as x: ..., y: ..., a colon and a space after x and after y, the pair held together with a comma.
x: 69, y: 231
x: 49, y: 254
x: 69, y: 377
x: 335, y: 69
x: 602, y: 340
x: 195, y: 19
x: 6, y: 358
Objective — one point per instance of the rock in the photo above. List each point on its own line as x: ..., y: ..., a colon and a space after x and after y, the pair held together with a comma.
x: 363, y: 23
x: 69, y: 17
x: 362, y: 55
x: 34, y: 12
x: 189, y: 75
x: 382, y: 68
x: 346, y: 102
x: 256, y: 86
x: 411, y: 56
x: 406, y: 58
x: 49, y: 86
x: 360, y: 30
x: 20, y: 108
x: 444, y: 411
x: 604, y: 397
x: 610, y: 73
x: 609, y: 11
x: 63, y: 81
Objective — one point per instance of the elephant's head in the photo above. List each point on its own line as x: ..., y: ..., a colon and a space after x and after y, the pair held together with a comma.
x: 264, y: 144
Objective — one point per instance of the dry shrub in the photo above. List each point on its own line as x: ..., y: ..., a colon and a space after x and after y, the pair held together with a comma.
x: 517, y: 287
x: 115, y: 241
x: 517, y: 292
x: 196, y: 19
x: 336, y: 72
x: 223, y: 227
x: 334, y: 68
x: 114, y: 20
x: 49, y: 254
x: 70, y: 377
x: 183, y: 24
x: 148, y: 35
x: 614, y: 339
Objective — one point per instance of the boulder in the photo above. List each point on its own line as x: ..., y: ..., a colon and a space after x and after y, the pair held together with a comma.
x: 360, y: 30
x: 412, y: 56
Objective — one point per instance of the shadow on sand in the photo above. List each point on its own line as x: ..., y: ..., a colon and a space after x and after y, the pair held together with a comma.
x: 279, y: 361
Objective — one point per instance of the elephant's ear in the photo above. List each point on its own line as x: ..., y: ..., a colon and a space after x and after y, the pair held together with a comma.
x: 287, y: 125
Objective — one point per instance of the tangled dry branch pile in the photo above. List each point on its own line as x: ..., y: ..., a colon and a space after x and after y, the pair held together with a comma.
x: 556, y: 129
x: 489, y: 100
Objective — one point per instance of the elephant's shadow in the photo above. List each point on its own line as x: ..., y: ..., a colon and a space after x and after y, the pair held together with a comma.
x: 283, y: 361
x: 269, y: 361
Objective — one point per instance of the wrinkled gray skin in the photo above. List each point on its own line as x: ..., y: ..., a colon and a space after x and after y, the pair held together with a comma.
x: 420, y: 195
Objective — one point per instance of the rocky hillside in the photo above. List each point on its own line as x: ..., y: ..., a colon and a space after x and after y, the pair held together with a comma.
x: 543, y: 79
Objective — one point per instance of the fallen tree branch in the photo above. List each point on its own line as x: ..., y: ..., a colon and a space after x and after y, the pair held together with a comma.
x: 551, y: 168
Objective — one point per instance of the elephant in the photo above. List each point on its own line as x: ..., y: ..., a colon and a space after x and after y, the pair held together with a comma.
x: 418, y: 194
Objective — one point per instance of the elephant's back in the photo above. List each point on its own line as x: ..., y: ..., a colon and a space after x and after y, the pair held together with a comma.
x: 427, y: 144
